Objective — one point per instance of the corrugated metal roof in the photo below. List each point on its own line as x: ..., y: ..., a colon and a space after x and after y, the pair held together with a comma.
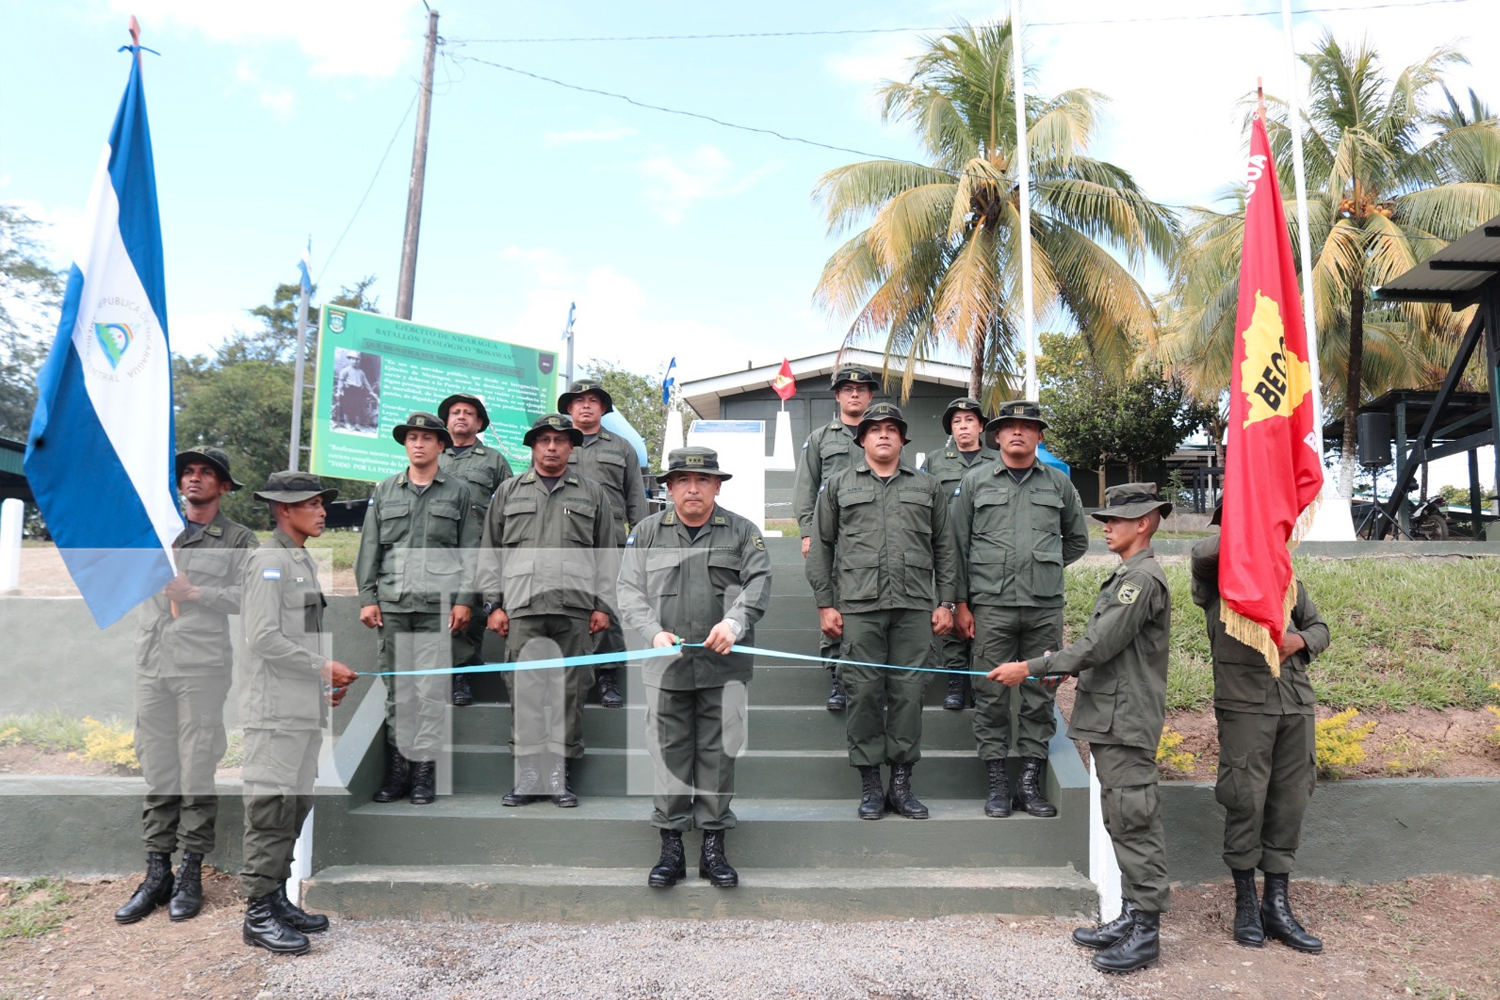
x: 12, y: 456
x: 1443, y: 277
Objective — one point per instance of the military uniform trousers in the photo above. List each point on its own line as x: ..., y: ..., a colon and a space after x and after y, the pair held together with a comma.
x: 179, y: 740
x: 1131, y: 799
x: 612, y: 639
x: 693, y: 737
x: 1004, y: 635
x: 546, y: 706
x: 1267, y: 770
x: 468, y: 644
x: 416, y: 706
x: 279, y: 770
x: 900, y: 637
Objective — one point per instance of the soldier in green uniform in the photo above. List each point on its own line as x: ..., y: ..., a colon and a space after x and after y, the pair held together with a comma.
x: 882, y: 568
x: 1018, y: 522
x: 695, y: 573
x: 828, y: 449
x: 1121, y: 666
x: 611, y: 462
x: 1267, y: 755
x: 415, y: 585
x: 539, y: 571
x: 484, y: 468
x: 182, y: 672
x: 963, y: 422
x: 282, y: 706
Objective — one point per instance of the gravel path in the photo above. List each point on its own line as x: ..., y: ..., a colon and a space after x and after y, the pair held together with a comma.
x: 945, y: 959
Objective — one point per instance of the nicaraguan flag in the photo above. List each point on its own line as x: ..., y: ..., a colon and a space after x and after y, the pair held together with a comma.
x: 99, y: 456
x: 303, y: 267
x: 667, y: 383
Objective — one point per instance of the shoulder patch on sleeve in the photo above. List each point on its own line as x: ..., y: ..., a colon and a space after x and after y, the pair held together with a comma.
x: 805, y: 443
x: 822, y: 486
x: 1128, y: 593
x: 630, y: 539
x: 957, y: 490
x: 270, y: 574
x: 760, y: 543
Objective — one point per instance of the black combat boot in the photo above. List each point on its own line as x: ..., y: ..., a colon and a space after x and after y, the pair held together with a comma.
x: 1107, y: 935
x: 528, y: 782
x: 1247, y: 926
x: 609, y: 690
x: 671, y: 867
x: 561, y: 783
x: 960, y: 693
x: 397, y: 777
x: 901, y: 800
x: 872, y: 801
x: 154, y: 891
x: 1276, y: 917
x: 187, y: 896
x: 264, y: 929
x: 463, y: 695
x: 837, y: 699
x: 1139, y: 948
x: 1029, y: 794
x: 997, y: 806
x: 423, y: 782
x: 294, y: 916
x: 713, y: 865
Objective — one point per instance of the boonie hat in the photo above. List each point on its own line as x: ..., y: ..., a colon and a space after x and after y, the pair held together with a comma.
x: 580, y: 387
x: 293, y: 487
x: 967, y: 404
x: 464, y: 397
x: 213, y: 456
x: 553, y: 422
x: 694, y: 458
x: 1018, y: 409
x: 420, y: 421
x: 858, y: 374
x: 874, y: 415
x: 1132, y: 500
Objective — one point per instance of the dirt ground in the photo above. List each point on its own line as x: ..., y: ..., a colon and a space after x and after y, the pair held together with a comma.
x: 1430, y: 938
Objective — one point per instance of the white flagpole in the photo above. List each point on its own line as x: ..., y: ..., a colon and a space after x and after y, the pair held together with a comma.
x: 1299, y: 170
x: 1023, y: 174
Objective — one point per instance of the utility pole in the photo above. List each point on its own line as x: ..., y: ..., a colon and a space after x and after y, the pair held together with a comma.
x: 408, y: 278
x: 568, y: 336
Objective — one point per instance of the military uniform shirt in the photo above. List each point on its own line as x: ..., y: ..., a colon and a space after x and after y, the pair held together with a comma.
x: 283, y: 618
x: 828, y: 449
x: 197, y: 641
x: 1121, y: 663
x: 881, y: 545
x: 537, y: 556
x: 612, y: 462
x: 1014, y: 538
x: 482, y: 467
x: 1242, y: 679
x: 671, y: 581
x: 950, y: 465
x: 415, y: 549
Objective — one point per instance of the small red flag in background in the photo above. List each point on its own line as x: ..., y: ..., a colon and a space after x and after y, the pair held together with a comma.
x: 783, y: 383
x: 1272, y: 469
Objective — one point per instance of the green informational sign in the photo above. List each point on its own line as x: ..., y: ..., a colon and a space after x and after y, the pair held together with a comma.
x: 373, y: 371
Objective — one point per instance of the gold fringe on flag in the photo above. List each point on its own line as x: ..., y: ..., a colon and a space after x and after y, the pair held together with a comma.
x: 1254, y: 634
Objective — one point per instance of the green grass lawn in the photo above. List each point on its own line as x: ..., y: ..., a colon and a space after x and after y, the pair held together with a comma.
x: 343, y: 542
x: 1406, y: 634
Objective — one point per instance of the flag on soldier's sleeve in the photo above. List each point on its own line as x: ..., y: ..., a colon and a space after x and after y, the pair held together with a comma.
x: 1273, y: 473
x: 784, y: 384
x: 99, y: 455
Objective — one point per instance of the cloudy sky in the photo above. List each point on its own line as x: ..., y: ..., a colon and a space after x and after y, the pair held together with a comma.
x: 675, y: 235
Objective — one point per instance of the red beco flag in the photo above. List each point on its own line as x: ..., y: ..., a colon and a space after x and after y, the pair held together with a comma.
x: 783, y: 383
x: 1272, y: 468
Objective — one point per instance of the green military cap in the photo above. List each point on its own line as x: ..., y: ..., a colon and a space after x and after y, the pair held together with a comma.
x: 858, y: 374
x: 464, y: 397
x: 694, y: 458
x: 967, y: 404
x: 420, y: 421
x: 581, y: 386
x: 1018, y: 409
x: 1132, y: 500
x: 293, y: 487
x: 215, y: 457
x: 553, y: 422
x: 877, y: 413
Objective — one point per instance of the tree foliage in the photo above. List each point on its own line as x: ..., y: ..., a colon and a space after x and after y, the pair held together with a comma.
x: 637, y: 398
x: 29, y: 295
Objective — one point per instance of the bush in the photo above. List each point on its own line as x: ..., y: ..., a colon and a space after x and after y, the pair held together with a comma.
x: 1169, y: 752
x: 109, y: 743
x: 1341, y: 743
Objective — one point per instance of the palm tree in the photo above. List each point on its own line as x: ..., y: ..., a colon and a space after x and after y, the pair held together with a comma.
x: 940, y: 259
x: 1391, y: 180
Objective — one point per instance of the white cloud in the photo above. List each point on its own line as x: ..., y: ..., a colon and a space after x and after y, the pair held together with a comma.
x: 280, y: 101
x: 202, y: 332
x: 342, y: 37
x: 672, y: 185
x: 575, y: 136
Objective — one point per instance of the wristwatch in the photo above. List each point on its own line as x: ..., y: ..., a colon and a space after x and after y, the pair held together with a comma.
x: 952, y: 608
x: 734, y: 626
x: 490, y: 607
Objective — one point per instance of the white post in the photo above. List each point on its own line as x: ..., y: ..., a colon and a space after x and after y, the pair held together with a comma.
x: 302, y: 852
x: 1104, y: 869
x: 294, y: 452
x: 672, y: 439
x: 12, y: 515
x: 783, y: 458
x: 1023, y: 178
